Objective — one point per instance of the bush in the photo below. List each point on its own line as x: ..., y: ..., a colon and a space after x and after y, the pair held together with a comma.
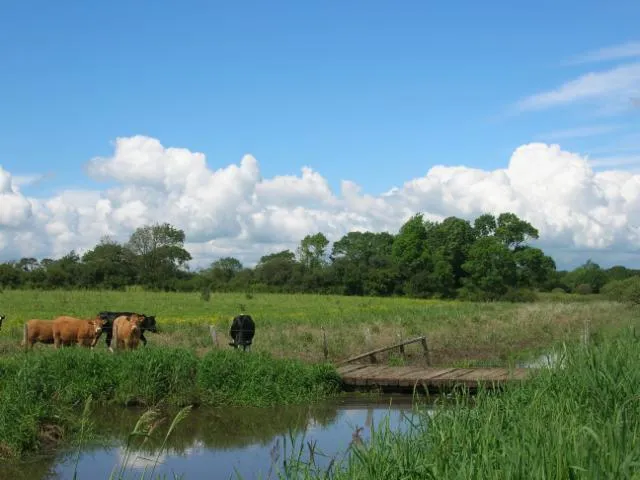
x: 583, y: 289
x: 520, y: 295
x: 624, y: 291
x: 558, y: 291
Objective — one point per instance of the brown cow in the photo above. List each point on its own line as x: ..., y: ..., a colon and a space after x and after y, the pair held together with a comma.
x: 71, y: 330
x: 127, y: 330
x: 37, y: 331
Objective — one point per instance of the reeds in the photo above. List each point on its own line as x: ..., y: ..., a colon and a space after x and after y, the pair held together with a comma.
x: 579, y: 421
x: 47, y: 387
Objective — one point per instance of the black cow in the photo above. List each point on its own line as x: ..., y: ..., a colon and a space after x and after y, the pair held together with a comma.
x: 242, y: 331
x: 149, y: 323
x: 2, y: 317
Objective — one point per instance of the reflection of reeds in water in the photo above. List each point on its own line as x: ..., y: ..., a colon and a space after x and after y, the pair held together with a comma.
x: 142, y: 433
x: 220, y: 428
x: 301, y: 457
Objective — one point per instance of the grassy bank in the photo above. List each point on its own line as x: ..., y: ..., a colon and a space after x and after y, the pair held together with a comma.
x: 42, y: 393
x: 580, y: 421
x: 290, y: 326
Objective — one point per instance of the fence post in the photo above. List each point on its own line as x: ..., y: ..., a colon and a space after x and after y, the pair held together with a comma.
x: 404, y: 356
x: 214, y: 335
x: 325, y: 346
x: 426, y: 351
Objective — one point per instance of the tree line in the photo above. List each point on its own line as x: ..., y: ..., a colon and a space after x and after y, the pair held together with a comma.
x: 487, y: 259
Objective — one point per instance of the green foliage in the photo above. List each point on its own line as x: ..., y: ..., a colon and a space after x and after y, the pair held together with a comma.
x: 583, y: 289
x: 491, y: 267
x: 312, y: 251
x: 520, y: 295
x: 581, y: 420
x: 238, y: 379
x: 588, y: 274
x: 625, y: 291
x: 45, y: 388
x: 453, y: 258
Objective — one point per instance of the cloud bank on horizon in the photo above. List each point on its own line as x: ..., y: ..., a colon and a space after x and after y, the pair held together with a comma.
x: 234, y: 211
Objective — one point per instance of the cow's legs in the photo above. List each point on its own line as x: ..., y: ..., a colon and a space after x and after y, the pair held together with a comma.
x: 142, y: 339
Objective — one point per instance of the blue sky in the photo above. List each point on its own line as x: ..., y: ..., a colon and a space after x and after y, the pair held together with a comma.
x: 376, y: 92
x: 372, y: 92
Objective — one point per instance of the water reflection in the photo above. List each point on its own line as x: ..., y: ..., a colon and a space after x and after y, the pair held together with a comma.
x: 222, y: 443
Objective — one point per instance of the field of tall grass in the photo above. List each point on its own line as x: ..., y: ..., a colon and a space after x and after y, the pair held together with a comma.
x: 578, y: 421
x: 42, y: 393
x: 294, y: 326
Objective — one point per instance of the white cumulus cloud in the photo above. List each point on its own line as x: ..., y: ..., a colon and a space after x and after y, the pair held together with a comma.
x: 234, y: 211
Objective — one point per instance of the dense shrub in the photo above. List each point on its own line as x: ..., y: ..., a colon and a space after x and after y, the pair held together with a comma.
x: 583, y: 289
x: 520, y: 295
x: 625, y: 291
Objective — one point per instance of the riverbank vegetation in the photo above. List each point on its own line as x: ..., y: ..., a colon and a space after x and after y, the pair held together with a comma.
x: 580, y: 420
x: 42, y: 393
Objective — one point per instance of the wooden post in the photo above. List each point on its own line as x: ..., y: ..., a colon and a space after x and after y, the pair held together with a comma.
x: 426, y: 351
x: 402, y: 352
x: 325, y: 346
x: 214, y: 335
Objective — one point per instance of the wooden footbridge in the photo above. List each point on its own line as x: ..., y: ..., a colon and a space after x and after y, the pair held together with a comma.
x: 363, y: 376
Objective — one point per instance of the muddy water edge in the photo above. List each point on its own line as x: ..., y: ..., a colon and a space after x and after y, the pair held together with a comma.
x: 231, y: 442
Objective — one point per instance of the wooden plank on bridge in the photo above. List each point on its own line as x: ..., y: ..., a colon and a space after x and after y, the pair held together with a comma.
x: 397, y: 377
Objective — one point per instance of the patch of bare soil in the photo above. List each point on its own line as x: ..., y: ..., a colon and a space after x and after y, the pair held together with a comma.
x: 50, y: 435
x: 6, y: 451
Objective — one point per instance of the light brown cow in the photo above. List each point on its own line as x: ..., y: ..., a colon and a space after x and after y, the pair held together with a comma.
x: 37, y: 331
x: 71, y: 330
x: 127, y: 331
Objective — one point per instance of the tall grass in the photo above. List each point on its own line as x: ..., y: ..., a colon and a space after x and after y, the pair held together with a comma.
x: 580, y: 421
x: 41, y: 392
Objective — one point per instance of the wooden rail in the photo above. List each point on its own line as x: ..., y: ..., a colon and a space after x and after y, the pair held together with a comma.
x: 372, y: 354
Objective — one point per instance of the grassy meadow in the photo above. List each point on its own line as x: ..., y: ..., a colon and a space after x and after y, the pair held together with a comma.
x: 43, y: 393
x: 291, y: 326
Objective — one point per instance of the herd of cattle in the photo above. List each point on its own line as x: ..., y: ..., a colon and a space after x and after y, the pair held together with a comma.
x: 127, y: 327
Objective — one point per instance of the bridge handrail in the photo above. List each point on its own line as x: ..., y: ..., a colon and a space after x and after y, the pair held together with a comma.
x: 422, y: 339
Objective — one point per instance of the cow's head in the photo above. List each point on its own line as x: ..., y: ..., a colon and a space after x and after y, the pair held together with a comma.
x: 2, y: 317
x: 136, y: 322
x: 149, y: 323
x: 97, y: 324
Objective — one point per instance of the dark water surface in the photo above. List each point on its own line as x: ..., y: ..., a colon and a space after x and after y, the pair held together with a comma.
x: 220, y: 443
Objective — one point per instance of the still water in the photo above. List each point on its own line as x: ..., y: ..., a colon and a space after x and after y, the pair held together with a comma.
x: 227, y: 443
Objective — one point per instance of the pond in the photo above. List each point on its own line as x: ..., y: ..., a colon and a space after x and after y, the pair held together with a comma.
x: 224, y: 443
